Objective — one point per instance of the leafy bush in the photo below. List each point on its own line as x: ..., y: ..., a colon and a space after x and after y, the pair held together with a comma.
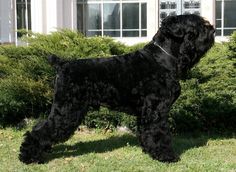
x: 26, y: 77
x: 22, y: 97
x: 208, y: 99
x: 73, y: 45
x: 104, y: 118
x: 232, y: 46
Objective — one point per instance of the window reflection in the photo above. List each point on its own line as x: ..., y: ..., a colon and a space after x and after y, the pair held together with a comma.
x: 23, y: 11
x: 225, y: 24
x: 116, y: 19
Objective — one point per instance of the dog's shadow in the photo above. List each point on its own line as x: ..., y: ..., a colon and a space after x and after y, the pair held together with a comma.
x: 180, y: 144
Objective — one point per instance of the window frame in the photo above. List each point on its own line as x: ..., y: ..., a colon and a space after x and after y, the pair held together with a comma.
x: 121, y: 29
x: 222, y: 29
x: 179, y: 8
x: 27, y: 16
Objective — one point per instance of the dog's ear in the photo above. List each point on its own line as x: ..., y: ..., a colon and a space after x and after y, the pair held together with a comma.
x: 172, y: 27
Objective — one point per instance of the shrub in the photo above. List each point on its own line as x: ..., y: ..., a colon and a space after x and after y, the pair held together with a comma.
x: 104, y: 118
x: 232, y: 46
x: 22, y: 97
x: 72, y: 45
x: 26, y: 77
x: 208, y: 99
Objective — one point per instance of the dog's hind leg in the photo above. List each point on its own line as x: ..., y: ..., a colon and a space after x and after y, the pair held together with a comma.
x: 153, y: 129
x: 60, y: 125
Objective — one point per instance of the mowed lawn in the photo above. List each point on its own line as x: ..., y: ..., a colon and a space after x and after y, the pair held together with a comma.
x: 90, y: 150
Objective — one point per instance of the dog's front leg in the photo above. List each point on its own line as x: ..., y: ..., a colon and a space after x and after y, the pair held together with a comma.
x: 60, y: 125
x: 153, y: 128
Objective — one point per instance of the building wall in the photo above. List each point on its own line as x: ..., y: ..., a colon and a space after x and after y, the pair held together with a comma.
x: 49, y: 15
x: 207, y: 10
x: 7, y: 16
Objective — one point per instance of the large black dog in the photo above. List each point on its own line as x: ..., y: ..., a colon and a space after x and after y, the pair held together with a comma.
x: 144, y: 83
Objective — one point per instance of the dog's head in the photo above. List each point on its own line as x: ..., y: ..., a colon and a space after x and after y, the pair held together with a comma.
x: 189, y: 38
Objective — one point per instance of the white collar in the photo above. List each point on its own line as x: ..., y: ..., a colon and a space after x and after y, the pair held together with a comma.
x: 156, y: 44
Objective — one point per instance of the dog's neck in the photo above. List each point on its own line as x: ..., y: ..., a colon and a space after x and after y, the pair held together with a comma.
x: 161, y: 54
x: 163, y: 49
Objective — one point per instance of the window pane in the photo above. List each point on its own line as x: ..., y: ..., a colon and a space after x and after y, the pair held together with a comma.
x: 144, y: 33
x: 130, y: 13
x: 130, y: 33
x: 218, y: 10
x: 191, y: 4
x: 163, y: 5
x: 144, y: 15
x: 168, y: 5
x: 163, y: 15
x: 218, y: 23
x: 80, y: 18
x: 29, y: 15
x: 218, y: 32
x: 23, y: 15
x: 93, y: 16
x: 173, y: 13
x: 93, y: 33
x: 111, y: 16
x: 229, y: 16
x: 20, y: 8
x: 112, y: 33
x: 228, y: 32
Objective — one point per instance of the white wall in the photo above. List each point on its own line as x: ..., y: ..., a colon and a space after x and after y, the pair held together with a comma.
x: 38, y: 16
x: 207, y: 10
x: 51, y: 15
x: 7, y: 21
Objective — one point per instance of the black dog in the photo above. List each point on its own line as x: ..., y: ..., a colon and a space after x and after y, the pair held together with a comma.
x: 143, y: 83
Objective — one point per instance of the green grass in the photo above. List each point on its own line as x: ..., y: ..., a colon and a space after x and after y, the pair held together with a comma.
x: 107, y: 152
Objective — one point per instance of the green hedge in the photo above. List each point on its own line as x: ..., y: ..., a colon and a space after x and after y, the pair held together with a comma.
x: 26, y: 78
x: 208, y: 99
x: 207, y: 102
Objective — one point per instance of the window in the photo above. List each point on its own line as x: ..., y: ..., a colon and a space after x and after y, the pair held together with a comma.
x: 177, y: 7
x: 23, y: 11
x: 225, y: 17
x: 115, y: 18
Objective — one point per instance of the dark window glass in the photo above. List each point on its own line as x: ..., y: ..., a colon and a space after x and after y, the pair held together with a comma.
x: 191, y: 4
x: 228, y: 32
x: 144, y: 33
x: 218, y: 32
x: 229, y: 14
x: 130, y: 33
x: 196, y: 13
x: 173, y: 5
x: 93, y: 16
x: 80, y: 17
x: 144, y: 15
x: 111, y: 16
x: 218, y: 9
x: 173, y: 13
x: 163, y: 15
x: 163, y: 5
x: 23, y: 15
x: 89, y: 19
x: 93, y: 33
x: 112, y: 33
x: 130, y: 15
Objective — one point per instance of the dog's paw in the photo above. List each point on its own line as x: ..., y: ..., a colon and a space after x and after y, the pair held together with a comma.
x: 30, y: 151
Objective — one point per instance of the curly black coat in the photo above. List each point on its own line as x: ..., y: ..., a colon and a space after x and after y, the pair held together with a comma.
x: 144, y: 83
